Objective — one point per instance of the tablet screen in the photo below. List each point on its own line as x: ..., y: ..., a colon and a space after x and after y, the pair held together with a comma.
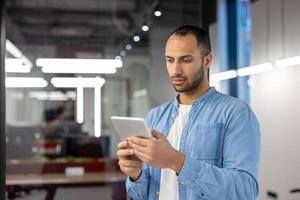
x: 130, y: 126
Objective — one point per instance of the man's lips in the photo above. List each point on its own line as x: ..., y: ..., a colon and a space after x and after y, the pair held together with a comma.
x: 177, y: 81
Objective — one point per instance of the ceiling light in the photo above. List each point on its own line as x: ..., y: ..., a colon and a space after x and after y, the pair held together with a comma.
x: 223, y: 76
x: 75, y: 82
x: 157, y: 13
x: 255, y: 69
x: 51, y: 96
x: 145, y: 28
x: 15, y: 65
x: 128, y: 47
x: 25, y: 82
x: 136, y: 38
x: 118, y: 58
x: 97, y: 112
x: 79, y: 105
x: 78, y: 70
x: 85, y: 66
x: 287, y: 62
x: 140, y: 93
x: 14, y: 51
x: 123, y: 53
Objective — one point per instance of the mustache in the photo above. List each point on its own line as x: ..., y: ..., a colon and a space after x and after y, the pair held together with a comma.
x: 176, y: 78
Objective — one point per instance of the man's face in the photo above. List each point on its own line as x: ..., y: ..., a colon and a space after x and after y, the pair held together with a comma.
x: 184, y: 63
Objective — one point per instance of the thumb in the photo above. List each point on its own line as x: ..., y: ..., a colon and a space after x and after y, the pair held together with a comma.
x: 157, y: 134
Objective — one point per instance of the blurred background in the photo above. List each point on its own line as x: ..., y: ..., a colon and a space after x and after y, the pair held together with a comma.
x: 71, y: 64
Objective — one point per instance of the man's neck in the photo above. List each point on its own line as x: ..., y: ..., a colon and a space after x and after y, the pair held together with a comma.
x: 187, y: 98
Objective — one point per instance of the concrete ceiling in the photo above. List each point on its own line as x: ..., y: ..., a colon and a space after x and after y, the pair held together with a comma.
x: 92, y: 23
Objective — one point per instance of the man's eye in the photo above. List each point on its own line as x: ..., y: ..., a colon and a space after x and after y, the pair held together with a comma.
x: 187, y: 60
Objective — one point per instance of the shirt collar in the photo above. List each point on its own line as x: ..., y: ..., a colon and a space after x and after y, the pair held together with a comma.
x: 204, y: 96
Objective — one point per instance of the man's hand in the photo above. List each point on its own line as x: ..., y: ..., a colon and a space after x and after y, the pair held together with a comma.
x: 157, y: 152
x: 129, y: 164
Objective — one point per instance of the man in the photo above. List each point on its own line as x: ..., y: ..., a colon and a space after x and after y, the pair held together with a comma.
x: 206, y: 144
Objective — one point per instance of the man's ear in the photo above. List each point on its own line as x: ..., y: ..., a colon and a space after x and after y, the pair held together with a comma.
x: 207, y: 61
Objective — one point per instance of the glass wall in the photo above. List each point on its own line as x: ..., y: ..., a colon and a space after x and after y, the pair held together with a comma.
x: 71, y: 65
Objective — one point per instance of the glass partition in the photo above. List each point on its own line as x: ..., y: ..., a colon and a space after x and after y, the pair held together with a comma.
x: 71, y: 65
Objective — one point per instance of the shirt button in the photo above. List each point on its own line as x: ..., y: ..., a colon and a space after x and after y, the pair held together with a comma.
x: 202, y: 194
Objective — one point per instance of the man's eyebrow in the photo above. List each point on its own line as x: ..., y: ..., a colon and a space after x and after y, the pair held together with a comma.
x: 185, y: 56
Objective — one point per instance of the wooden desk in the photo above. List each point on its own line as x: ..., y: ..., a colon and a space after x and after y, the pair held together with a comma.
x: 30, y: 175
x: 62, y: 179
x: 50, y: 182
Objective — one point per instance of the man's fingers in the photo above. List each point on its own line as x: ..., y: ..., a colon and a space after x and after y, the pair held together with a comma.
x: 123, y: 145
x: 125, y: 152
x: 130, y: 163
x: 139, y: 141
x: 138, y: 147
x: 141, y: 155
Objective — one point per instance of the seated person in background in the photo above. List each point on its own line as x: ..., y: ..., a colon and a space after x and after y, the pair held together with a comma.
x: 57, y: 121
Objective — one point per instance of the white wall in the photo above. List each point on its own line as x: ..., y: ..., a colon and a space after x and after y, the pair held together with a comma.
x: 275, y: 96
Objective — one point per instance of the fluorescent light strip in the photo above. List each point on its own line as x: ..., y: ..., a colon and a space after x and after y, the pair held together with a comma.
x: 13, y: 50
x: 97, y: 110
x: 223, y: 76
x: 114, y: 63
x: 25, y: 82
x: 15, y: 65
x: 79, y: 105
x: 86, y: 66
x: 140, y: 93
x: 26, y: 61
x: 74, y: 82
x: 78, y: 70
x: 255, y: 69
x: 287, y: 62
x: 51, y: 96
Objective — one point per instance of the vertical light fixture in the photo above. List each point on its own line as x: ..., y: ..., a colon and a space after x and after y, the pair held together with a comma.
x: 97, y: 108
x: 79, y: 105
x: 80, y: 83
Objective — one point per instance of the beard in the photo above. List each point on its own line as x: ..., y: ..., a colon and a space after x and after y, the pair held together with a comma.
x: 191, y: 84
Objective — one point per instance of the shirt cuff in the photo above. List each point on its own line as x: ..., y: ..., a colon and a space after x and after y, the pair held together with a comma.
x: 135, y: 188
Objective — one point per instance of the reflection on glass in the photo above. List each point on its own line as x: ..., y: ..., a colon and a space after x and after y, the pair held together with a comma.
x: 70, y: 66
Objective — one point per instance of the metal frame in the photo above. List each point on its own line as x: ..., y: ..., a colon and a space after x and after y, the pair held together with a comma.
x: 235, y: 43
x: 2, y: 99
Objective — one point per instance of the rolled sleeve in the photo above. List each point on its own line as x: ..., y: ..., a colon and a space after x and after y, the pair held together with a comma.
x: 137, y: 189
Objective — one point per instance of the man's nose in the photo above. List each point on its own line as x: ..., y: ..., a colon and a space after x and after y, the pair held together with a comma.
x: 177, y: 68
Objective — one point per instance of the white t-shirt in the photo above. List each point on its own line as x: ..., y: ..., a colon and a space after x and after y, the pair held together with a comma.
x: 168, y: 180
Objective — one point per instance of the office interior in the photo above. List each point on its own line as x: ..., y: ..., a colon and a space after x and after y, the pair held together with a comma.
x: 70, y: 65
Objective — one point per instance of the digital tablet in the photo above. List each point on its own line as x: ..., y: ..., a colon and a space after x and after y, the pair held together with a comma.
x: 130, y: 126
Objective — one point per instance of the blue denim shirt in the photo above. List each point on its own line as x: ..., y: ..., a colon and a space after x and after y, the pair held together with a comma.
x: 221, y: 144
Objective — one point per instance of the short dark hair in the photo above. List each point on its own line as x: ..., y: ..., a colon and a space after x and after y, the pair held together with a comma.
x: 201, y: 35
